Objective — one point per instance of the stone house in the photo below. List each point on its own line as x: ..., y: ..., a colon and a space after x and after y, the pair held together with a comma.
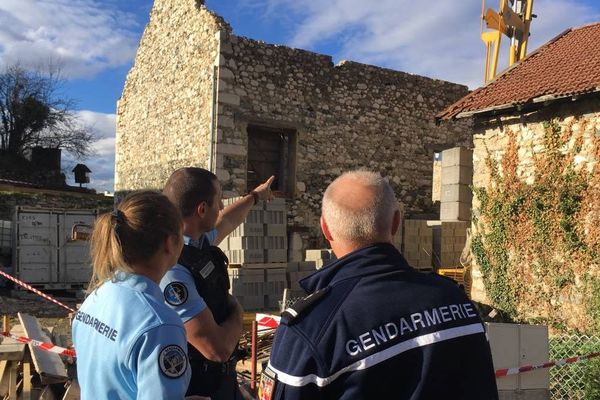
x: 554, y: 91
x: 198, y: 95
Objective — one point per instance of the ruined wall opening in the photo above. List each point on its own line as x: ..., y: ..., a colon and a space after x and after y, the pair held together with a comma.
x: 272, y: 151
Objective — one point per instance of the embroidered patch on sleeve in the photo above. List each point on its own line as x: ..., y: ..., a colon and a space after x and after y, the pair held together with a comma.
x: 173, y: 361
x: 175, y: 293
x: 266, y: 387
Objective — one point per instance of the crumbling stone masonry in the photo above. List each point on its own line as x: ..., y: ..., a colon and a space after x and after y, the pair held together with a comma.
x: 491, y: 140
x: 198, y: 95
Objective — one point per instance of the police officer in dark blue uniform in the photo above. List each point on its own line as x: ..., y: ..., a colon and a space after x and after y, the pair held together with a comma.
x: 372, y: 327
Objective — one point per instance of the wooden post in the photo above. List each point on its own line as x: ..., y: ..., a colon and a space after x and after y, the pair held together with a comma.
x: 253, y: 359
x: 26, y: 393
x: 12, y: 381
x: 5, y: 327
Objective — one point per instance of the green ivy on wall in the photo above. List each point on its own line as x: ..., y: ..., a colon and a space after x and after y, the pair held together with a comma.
x: 537, y: 243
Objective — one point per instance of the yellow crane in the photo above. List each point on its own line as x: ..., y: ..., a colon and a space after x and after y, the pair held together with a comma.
x: 513, y: 20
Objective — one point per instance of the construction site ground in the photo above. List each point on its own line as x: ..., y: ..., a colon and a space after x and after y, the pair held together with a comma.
x: 48, y: 314
x: 57, y: 321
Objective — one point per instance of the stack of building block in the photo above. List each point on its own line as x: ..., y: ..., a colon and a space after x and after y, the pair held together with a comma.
x: 248, y: 286
x: 298, y: 270
x: 449, y: 243
x: 276, y: 282
x: 457, y: 176
x: 257, y: 252
x: 295, y: 247
x: 261, y: 238
x: 275, y: 222
x: 417, y: 244
x: 259, y: 286
x: 246, y: 243
x: 5, y: 237
x: 320, y: 257
x: 436, y: 241
x: 449, y: 239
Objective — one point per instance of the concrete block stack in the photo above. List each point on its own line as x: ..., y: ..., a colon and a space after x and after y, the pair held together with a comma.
x: 296, y: 271
x: 295, y: 247
x: 246, y: 243
x: 257, y: 252
x: 258, y: 286
x: 5, y: 237
x: 417, y: 244
x: 449, y: 243
x: 275, y: 220
x: 276, y: 282
x: 457, y: 176
x: 320, y: 257
x: 436, y: 241
x: 248, y: 286
x: 261, y: 238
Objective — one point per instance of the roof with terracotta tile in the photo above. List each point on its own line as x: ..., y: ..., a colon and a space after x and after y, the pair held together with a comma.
x: 568, y: 65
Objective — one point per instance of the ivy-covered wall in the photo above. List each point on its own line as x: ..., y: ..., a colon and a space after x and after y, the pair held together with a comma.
x: 536, y: 228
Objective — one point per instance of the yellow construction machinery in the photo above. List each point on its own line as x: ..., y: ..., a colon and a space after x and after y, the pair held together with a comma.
x: 513, y: 20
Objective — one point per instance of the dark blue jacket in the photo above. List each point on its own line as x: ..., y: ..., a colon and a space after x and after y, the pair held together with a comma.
x: 374, y: 328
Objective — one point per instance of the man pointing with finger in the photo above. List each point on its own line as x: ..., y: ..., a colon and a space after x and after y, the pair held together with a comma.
x: 196, y: 287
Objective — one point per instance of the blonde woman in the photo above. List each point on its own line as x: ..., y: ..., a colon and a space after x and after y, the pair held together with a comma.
x: 129, y: 343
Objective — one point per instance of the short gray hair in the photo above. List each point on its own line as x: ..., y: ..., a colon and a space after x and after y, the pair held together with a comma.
x: 365, y: 225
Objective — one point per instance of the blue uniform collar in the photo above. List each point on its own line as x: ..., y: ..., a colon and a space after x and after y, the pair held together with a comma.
x: 200, y: 243
x: 377, y: 258
x: 139, y: 283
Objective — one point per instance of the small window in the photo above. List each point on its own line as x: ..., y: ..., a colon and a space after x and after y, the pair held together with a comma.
x: 272, y: 151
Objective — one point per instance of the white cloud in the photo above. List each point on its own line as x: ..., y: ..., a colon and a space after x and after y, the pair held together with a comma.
x: 437, y: 39
x: 85, y: 36
x: 102, y: 163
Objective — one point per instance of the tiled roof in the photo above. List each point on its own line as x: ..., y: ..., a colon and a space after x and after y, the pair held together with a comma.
x: 567, y: 65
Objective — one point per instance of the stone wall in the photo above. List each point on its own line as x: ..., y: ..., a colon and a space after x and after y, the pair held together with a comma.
x: 344, y: 116
x: 164, y: 114
x: 491, y: 140
x: 12, y: 197
x: 347, y: 116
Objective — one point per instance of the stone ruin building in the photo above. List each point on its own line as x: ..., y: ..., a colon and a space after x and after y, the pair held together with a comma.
x: 198, y: 95
x: 554, y: 91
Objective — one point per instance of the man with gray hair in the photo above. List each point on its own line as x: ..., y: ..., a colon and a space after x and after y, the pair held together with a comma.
x: 372, y: 327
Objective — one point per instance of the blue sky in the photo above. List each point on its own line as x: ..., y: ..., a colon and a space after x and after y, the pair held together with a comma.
x: 95, y: 41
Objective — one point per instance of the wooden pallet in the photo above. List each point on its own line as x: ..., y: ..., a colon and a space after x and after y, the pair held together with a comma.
x: 20, y: 362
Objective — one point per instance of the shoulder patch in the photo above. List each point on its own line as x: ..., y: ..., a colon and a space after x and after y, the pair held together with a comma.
x: 304, y: 304
x: 175, y: 293
x: 266, y: 387
x: 173, y: 361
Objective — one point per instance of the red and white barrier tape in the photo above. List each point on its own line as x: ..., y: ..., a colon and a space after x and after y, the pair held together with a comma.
x: 42, y: 345
x: 266, y: 321
x: 517, y: 370
x: 34, y: 290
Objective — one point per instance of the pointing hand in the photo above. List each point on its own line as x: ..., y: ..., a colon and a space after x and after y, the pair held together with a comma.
x: 264, y: 189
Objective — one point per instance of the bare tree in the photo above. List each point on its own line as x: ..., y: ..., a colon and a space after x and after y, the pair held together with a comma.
x: 34, y: 113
